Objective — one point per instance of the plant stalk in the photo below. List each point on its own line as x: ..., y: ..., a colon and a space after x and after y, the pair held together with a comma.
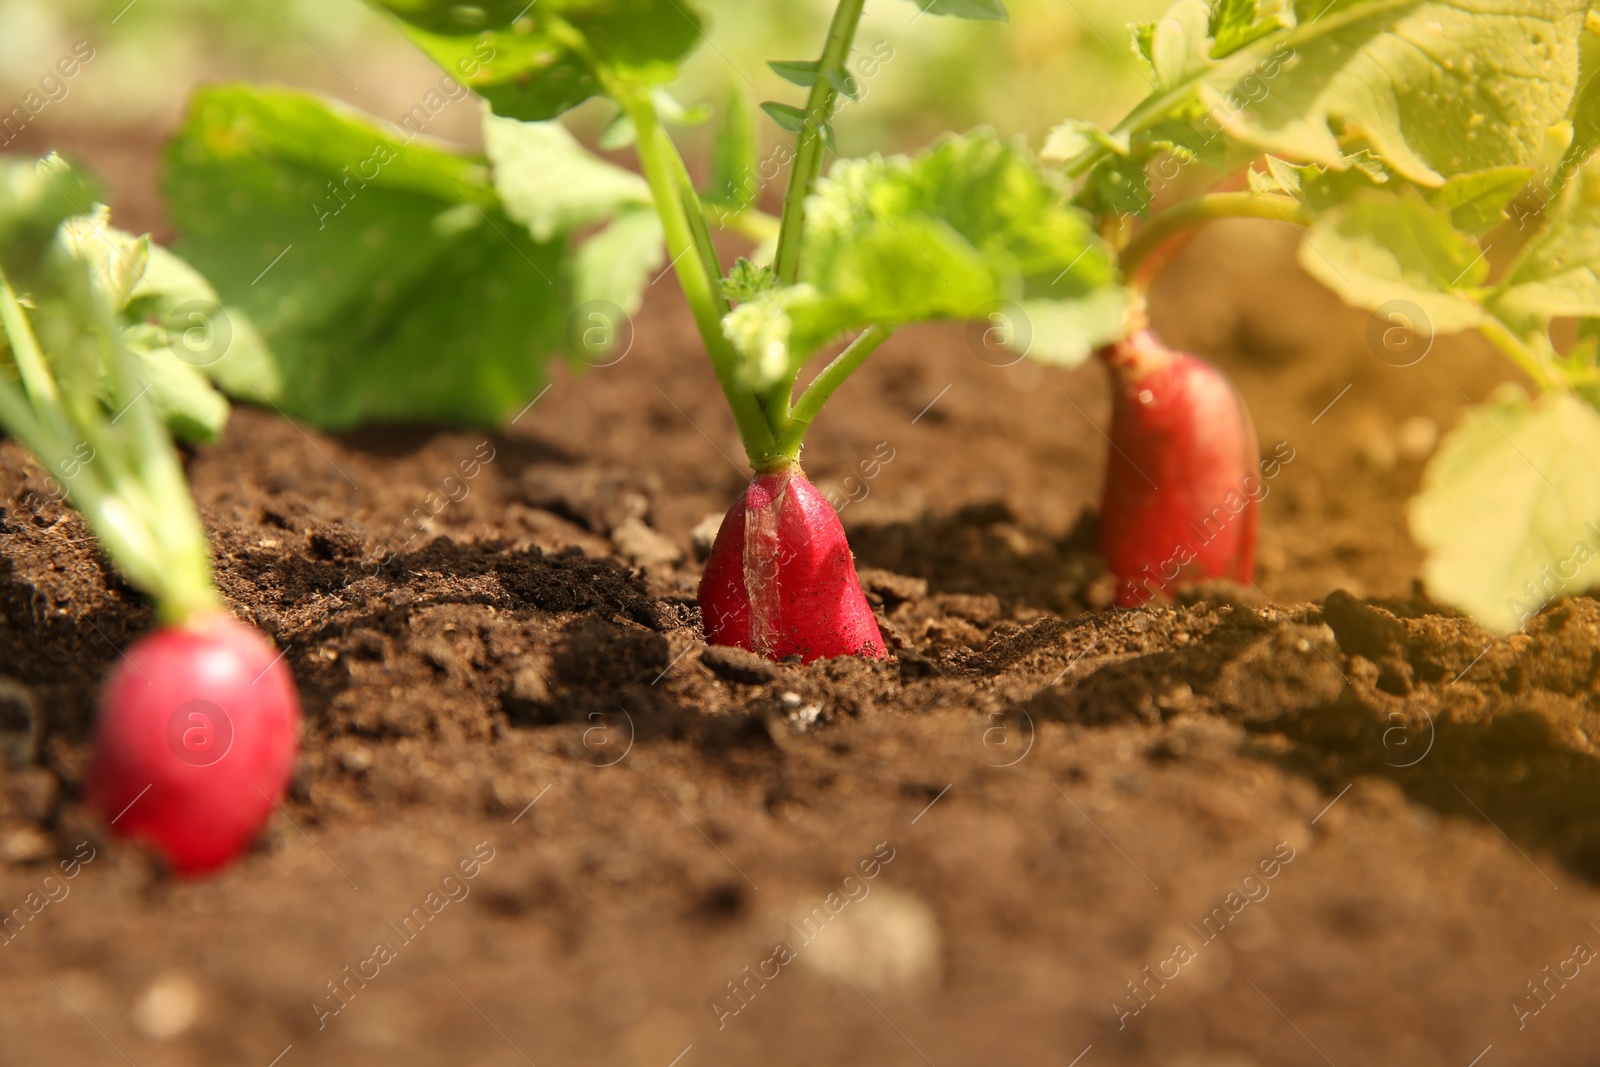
x: 1500, y: 335
x: 809, y: 144
x: 1147, y: 243
x: 699, y: 275
x: 130, y: 489
x: 826, y: 383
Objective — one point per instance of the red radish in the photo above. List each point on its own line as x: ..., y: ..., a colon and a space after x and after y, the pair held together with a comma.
x: 780, y: 581
x: 197, y: 728
x: 195, y: 741
x: 1182, y: 487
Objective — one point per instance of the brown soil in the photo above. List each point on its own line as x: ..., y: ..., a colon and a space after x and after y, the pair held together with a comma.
x: 1049, y: 796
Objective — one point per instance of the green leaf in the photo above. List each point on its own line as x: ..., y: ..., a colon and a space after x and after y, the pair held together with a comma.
x: 1144, y: 42
x: 1237, y: 23
x: 791, y: 118
x: 734, y: 150
x: 968, y: 228
x: 844, y: 83
x: 1319, y: 187
x: 1282, y: 178
x: 116, y: 260
x: 1477, y: 200
x: 1436, y: 87
x: 1180, y: 47
x: 1382, y: 247
x: 801, y: 72
x: 1074, y: 139
x: 1585, y: 113
x: 1555, y: 274
x: 120, y: 470
x: 222, y: 342
x: 1120, y: 186
x: 619, y: 133
x: 171, y: 320
x: 190, y: 405
x: 747, y: 280
x: 550, y: 183
x: 1509, y: 507
x: 615, y: 264
x: 35, y: 199
x: 988, y: 10
x: 534, y: 61
x: 382, y: 272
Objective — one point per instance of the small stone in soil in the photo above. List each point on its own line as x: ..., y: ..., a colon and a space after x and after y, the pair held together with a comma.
x: 737, y: 665
x: 26, y: 845
x: 598, y: 499
x: 643, y: 546
x: 704, y: 536
x: 893, y: 588
x: 168, y: 1008
x: 529, y: 686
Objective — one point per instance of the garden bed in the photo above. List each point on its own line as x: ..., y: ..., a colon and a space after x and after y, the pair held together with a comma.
x: 1064, y: 793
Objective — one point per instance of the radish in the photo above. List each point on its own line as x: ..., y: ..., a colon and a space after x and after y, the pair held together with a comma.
x: 197, y: 726
x: 195, y: 741
x: 1182, y: 491
x: 780, y: 580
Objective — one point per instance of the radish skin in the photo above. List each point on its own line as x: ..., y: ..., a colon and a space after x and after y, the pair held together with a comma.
x: 195, y: 741
x: 1182, y: 491
x: 780, y: 580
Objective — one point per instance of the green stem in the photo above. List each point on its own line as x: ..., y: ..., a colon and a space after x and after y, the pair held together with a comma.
x: 809, y: 142
x: 694, y: 213
x: 1500, y: 335
x: 698, y: 275
x: 129, y: 486
x: 169, y: 513
x: 1202, y: 209
x: 826, y: 382
x: 31, y: 367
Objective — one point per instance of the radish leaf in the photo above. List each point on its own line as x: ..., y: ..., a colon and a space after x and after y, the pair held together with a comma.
x: 1433, y: 88
x: 170, y: 318
x: 746, y: 281
x: 948, y: 234
x: 1074, y: 139
x: 382, y: 272
x: 1585, y: 114
x: 991, y: 10
x: 1144, y: 42
x: 1437, y: 88
x: 791, y: 118
x: 1555, y: 273
x: 615, y: 264
x: 550, y: 183
x: 534, y: 61
x: 802, y: 72
x: 35, y: 199
x: 1236, y: 23
x: 734, y: 149
x: 1180, y: 43
x: 1509, y: 507
x: 190, y: 405
x: 1381, y: 247
x: 1477, y: 200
